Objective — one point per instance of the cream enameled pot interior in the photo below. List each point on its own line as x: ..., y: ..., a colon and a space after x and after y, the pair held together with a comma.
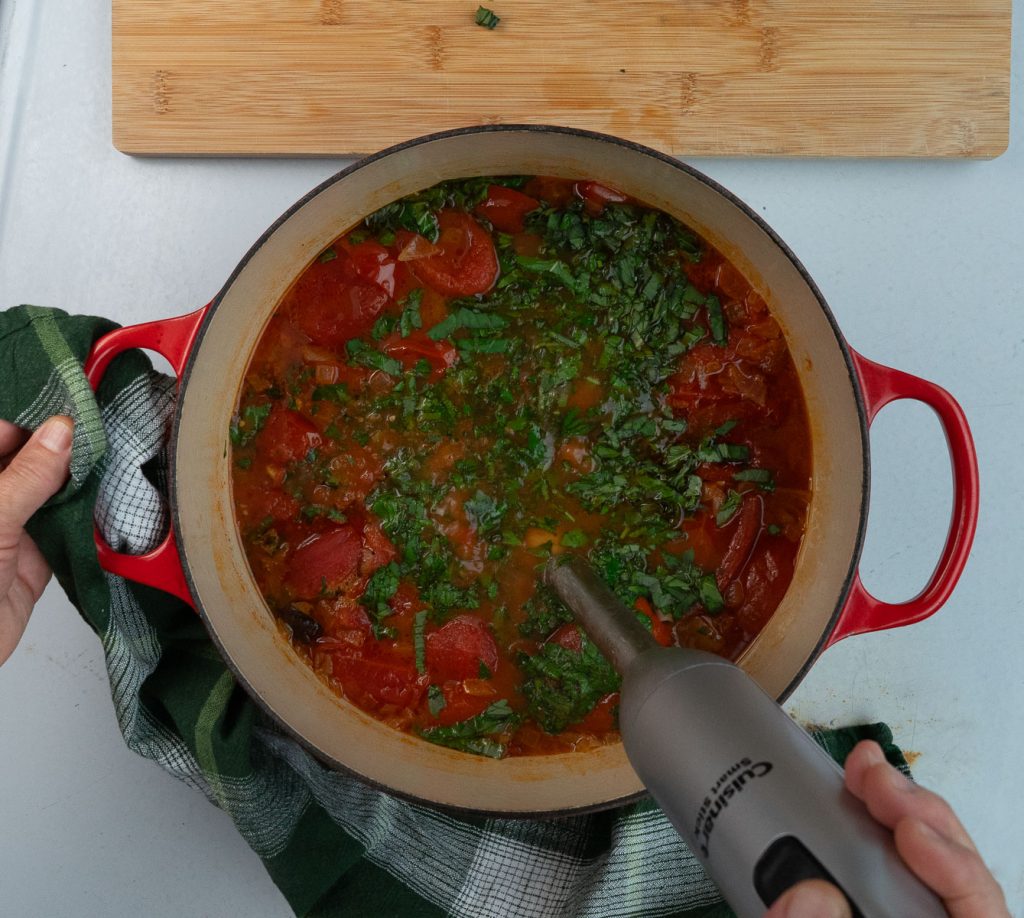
x: 213, y: 554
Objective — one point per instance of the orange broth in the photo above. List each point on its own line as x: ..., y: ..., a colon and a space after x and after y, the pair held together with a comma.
x: 484, y: 374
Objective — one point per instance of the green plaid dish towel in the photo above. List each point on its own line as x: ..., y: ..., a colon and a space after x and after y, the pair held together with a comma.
x: 333, y: 845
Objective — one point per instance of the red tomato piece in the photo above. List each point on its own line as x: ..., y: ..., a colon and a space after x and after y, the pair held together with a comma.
x: 322, y: 279
x: 467, y: 263
x: 765, y: 582
x: 748, y: 527
x: 662, y: 631
x: 601, y: 718
x: 596, y: 196
x: 506, y: 208
x: 269, y: 502
x: 324, y: 562
x: 568, y: 636
x: 377, y: 548
x: 373, y: 683
x: 373, y: 264
x: 419, y: 346
x: 347, y: 313
x: 287, y: 436
x: 412, y: 246
x: 460, y: 705
x: 456, y: 650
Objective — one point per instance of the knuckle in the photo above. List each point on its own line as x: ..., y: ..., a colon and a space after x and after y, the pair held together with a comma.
x: 24, y: 486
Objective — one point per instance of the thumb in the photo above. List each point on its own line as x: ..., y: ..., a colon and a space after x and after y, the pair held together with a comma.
x: 811, y: 899
x: 34, y: 475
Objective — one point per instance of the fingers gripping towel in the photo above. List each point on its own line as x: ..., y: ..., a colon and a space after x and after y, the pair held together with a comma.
x: 333, y: 845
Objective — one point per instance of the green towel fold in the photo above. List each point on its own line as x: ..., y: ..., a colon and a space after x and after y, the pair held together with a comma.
x: 332, y: 845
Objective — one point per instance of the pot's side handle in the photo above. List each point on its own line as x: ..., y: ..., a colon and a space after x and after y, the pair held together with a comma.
x: 881, y: 385
x: 173, y: 338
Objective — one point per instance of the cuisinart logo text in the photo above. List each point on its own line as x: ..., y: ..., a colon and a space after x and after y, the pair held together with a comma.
x: 726, y: 787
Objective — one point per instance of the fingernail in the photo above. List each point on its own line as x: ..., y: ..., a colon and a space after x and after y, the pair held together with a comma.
x: 897, y: 780
x: 817, y: 900
x: 56, y: 435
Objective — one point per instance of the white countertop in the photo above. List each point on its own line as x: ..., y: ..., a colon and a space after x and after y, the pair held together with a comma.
x: 921, y: 262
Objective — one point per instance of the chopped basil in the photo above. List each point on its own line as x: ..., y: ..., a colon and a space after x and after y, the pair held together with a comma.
x: 486, y: 18
x: 327, y: 255
x: 332, y: 392
x: 716, y: 321
x: 361, y: 353
x: 410, y: 317
x: 248, y: 423
x: 412, y: 215
x: 382, y: 585
x: 574, y: 538
x: 466, y: 318
x: 762, y: 477
x: 476, y: 735
x: 313, y: 511
x: 574, y: 424
x: 485, y: 513
x: 435, y: 700
x: 561, y: 686
x: 419, y: 644
x: 484, y: 345
x: 728, y: 509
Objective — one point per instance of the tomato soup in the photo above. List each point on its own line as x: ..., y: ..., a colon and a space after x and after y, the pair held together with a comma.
x: 487, y: 373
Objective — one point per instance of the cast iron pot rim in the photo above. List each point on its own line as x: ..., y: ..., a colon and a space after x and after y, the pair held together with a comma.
x: 490, y: 129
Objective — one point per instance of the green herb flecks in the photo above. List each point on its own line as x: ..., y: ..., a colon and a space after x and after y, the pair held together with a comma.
x: 562, y: 686
x: 419, y: 643
x: 480, y: 735
x: 248, y: 423
x: 729, y: 507
x: 376, y: 598
x: 486, y: 18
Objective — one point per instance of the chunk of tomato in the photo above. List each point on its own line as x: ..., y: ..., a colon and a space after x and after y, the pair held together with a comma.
x: 460, y: 705
x: 378, y: 549
x: 596, y: 196
x: 373, y: 264
x: 506, y: 208
x: 602, y: 718
x: 456, y: 650
x: 345, y: 313
x: 568, y: 636
x: 376, y: 682
x: 287, y: 436
x: 324, y: 562
x: 748, y: 528
x: 662, y: 631
x: 420, y: 346
x: 466, y: 263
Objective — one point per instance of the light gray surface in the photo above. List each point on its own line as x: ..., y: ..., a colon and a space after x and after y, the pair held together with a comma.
x: 921, y: 262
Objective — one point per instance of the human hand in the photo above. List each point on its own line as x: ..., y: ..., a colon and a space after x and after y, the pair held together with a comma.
x: 929, y: 838
x: 32, y: 469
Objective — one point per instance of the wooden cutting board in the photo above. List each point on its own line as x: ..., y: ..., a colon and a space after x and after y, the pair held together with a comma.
x: 690, y: 77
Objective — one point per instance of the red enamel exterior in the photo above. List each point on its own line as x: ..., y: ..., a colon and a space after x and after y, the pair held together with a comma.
x: 174, y: 339
x: 862, y: 612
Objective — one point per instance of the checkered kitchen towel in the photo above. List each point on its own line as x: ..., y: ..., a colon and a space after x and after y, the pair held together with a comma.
x: 332, y: 845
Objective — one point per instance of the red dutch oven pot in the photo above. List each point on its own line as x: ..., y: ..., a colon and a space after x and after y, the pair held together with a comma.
x: 202, y: 561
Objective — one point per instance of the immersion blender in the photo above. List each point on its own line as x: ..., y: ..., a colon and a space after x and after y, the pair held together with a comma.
x: 755, y: 798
